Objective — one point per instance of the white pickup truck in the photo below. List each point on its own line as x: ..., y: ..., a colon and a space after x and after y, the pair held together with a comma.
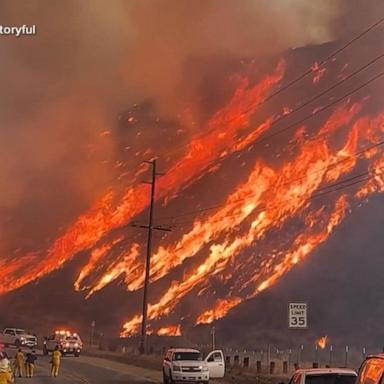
x: 18, y: 338
x: 187, y: 365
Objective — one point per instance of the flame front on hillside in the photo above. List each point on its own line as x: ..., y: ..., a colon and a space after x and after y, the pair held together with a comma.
x: 289, y: 200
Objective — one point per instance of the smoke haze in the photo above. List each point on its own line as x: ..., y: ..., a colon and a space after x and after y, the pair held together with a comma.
x: 67, y: 89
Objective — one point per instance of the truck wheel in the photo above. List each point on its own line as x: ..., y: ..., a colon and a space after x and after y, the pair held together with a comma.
x: 165, y: 381
x: 17, y: 344
x: 77, y: 354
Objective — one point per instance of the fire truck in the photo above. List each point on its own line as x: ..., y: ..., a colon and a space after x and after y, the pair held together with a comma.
x: 69, y: 343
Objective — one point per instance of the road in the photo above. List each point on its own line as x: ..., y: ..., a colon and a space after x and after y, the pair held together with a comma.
x: 88, y: 370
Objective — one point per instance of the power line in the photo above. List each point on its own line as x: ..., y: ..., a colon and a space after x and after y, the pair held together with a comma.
x: 329, y: 57
x: 318, y: 111
x: 307, y: 117
x: 322, y: 63
x: 338, y: 188
x: 359, y: 70
x: 326, y: 107
x: 303, y: 75
x: 322, y: 109
x: 315, y: 113
x: 327, y: 189
x: 334, y: 102
x: 329, y: 167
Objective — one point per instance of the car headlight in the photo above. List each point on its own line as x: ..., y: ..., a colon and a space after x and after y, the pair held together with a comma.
x: 176, y: 368
x: 204, y: 368
x: 67, y: 345
x: 22, y: 338
x: 76, y: 345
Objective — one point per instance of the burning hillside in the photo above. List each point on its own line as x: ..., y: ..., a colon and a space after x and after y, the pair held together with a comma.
x: 272, y: 169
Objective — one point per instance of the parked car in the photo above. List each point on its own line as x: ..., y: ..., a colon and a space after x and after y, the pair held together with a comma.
x: 69, y: 343
x: 372, y: 370
x: 18, y: 337
x: 324, y: 376
x: 186, y: 365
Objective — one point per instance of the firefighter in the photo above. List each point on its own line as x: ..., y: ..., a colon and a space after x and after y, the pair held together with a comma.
x: 19, y: 363
x: 56, y: 358
x: 30, y: 363
x: 5, y: 371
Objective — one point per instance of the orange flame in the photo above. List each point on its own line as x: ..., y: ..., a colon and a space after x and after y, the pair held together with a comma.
x: 218, y: 137
x: 322, y: 342
x: 250, y: 196
x: 172, y: 330
x: 220, y: 309
x: 223, y: 242
x: 272, y: 203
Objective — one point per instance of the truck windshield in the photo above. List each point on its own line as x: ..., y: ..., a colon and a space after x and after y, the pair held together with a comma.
x: 72, y: 338
x: 179, y: 356
x: 20, y: 332
x: 330, y: 379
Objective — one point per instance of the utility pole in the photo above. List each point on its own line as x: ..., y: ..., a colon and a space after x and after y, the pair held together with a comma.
x: 93, y: 324
x: 346, y: 355
x: 150, y: 227
x: 213, y: 333
x: 269, y: 356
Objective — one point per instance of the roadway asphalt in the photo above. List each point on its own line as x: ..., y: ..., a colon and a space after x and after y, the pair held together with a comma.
x: 88, y: 370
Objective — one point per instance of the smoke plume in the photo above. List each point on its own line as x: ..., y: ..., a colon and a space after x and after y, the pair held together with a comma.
x: 64, y: 89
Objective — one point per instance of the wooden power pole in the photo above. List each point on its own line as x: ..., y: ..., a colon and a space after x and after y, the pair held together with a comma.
x: 150, y: 227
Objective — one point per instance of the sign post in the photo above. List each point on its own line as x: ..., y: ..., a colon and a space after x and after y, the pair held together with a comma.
x: 93, y: 325
x: 213, y: 333
x: 297, y: 316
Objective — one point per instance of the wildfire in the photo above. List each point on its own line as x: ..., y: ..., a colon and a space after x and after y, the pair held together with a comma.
x: 274, y: 201
x: 298, y: 193
x: 219, y: 135
x: 172, y: 330
x: 220, y: 309
x: 322, y: 342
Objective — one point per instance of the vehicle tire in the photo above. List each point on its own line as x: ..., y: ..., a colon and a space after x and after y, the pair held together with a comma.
x: 165, y: 380
x: 45, y: 350
x: 77, y: 354
x: 17, y: 344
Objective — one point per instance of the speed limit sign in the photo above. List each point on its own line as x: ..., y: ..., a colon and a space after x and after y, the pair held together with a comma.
x: 297, y: 315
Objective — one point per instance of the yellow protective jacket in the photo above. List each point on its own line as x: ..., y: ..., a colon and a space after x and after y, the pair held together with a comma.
x: 5, y: 378
x: 56, y: 357
x: 20, y: 358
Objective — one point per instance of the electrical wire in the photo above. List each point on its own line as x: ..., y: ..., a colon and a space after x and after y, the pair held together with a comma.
x: 303, y: 75
x: 327, y: 168
x: 331, y: 188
